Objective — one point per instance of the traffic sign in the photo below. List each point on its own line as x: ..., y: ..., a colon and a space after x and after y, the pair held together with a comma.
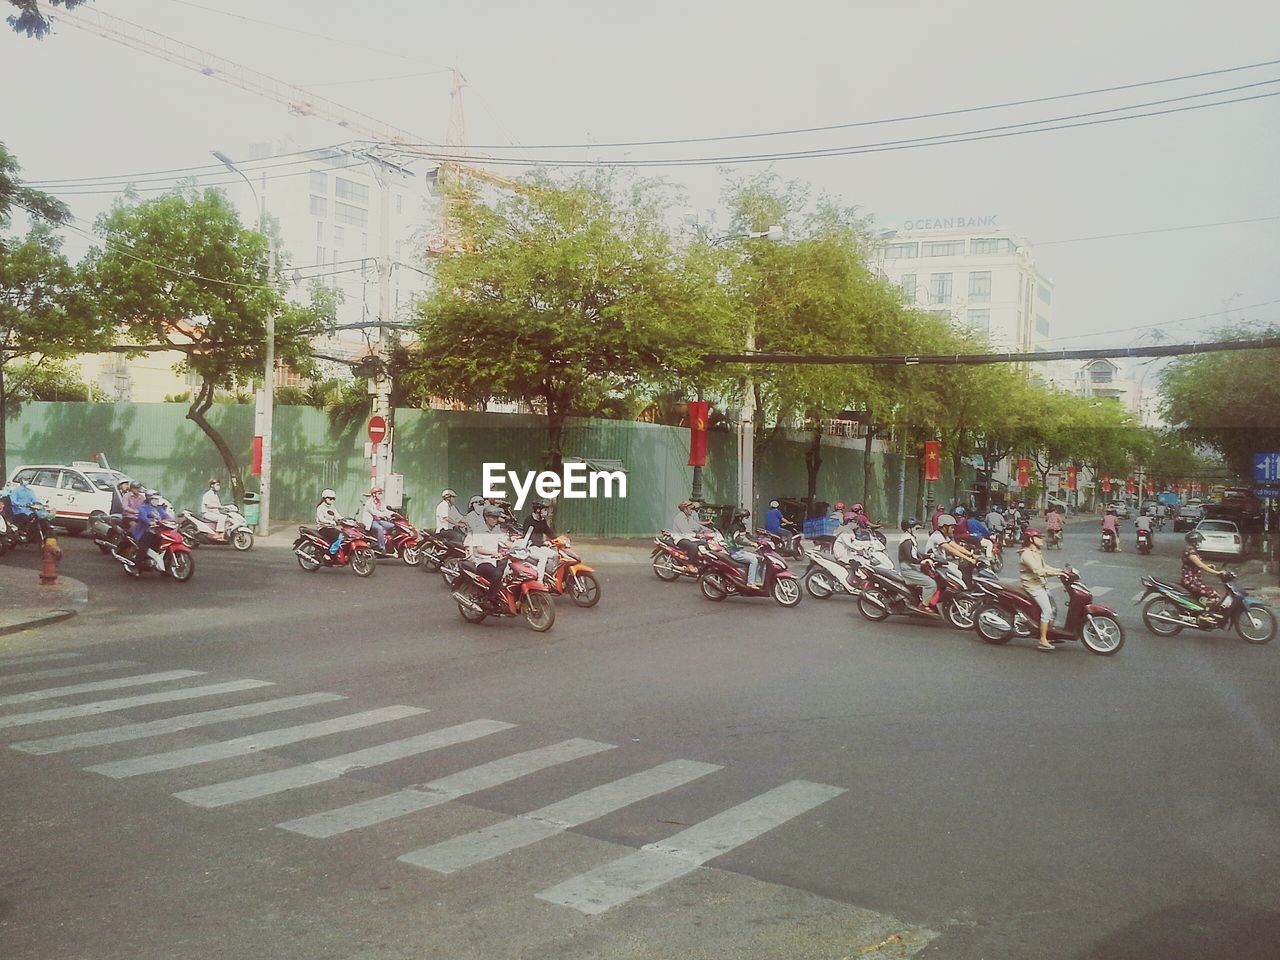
x: 377, y: 429
x: 1266, y: 467
x: 1267, y: 493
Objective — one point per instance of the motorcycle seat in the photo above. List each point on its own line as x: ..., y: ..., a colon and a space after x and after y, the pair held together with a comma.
x: 309, y: 531
x: 1169, y: 585
x: 893, y: 575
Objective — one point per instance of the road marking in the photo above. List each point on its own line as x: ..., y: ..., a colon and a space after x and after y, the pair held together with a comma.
x: 39, y: 658
x: 266, y: 784
x: 488, y: 843
x: 403, y: 802
x: 657, y: 863
x: 53, y: 693
x: 67, y: 671
x: 156, y: 728
x: 128, y: 703
x: 209, y: 752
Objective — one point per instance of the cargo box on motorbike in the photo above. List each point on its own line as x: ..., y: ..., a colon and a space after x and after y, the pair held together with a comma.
x: 816, y: 527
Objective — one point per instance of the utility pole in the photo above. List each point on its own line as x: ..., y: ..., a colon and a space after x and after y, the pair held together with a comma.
x: 380, y: 386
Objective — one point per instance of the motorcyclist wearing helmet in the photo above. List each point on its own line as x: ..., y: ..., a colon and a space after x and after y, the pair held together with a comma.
x: 537, y: 533
x: 149, y: 514
x: 376, y: 518
x: 485, y: 547
x: 131, y: 503
x: 328, y: 520
x: 742, y: 547
x: 1111, y: 524
x: 212, y: 511
x: 773, y: 518
x: 1034, y: 574
x: 942, y: 544
x: 447, y: 515
x: 1193, y: 565
x: 911, y: 565
x: 475, y: 515
x: 685, y: 527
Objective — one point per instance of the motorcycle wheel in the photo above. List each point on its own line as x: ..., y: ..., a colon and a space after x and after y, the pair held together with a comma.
x: 308, y: 559
x: 584, y: 590
x: 819, y: 585
x: 539, y: 611
x: 712, y: 586
x: 363, y: 562
x: 664, y: 568
x: 786, y: 591
x: 1161, y: 606
x: 1256, y: 625
x: 469, y: 615
x: 104, y: 547
x: 868, y: 608
x: 993, y: 624
x: 450, y: 570
x: 180, y: 566
x: 411, y: 555
x: 242, y: 539
x: 1102, y: 634
x: 959, y: 612
x: 430, y: 555
x: 189, y: 535
x: 997, y: 561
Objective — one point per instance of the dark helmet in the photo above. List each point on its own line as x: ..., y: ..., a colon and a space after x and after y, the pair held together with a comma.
x: 492, y: 511
x: 1195, y: 538
x: 1031, y: 533
x: 910, y: 524
x: 537, y: 505
x: 958, y: 511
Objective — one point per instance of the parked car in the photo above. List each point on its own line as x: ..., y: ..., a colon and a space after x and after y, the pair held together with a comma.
x: 1121, y: 507
x: 78, y: 494
x: 1188, y: 515
x: 1221, y: 538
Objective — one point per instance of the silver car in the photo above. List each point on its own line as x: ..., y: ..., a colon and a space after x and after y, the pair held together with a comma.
x: 1221, y: 537
x: 1120, y: 507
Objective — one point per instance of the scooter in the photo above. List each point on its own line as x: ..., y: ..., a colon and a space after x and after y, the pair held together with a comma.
x: 198, y: 531
x: 108, y: 531
x: 1144, y: 542
x: 670, y: 563
x: 314, y: 552
x: 1109, y: 541
x: 172, y: 557
x: 570, y: 575
x: 722, y: 576
x: 403, y: 541
x: 788, y: 542
x: 887, y: 593
x: 1012, y: 611
x: 443, y: 551
x: 827, y: 576
x: 36, y: 529
x: 1054, y: 542
x: 522, y: 594
x: 1173, y: 609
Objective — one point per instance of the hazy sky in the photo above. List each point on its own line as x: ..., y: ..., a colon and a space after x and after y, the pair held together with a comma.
x: 554, y: 71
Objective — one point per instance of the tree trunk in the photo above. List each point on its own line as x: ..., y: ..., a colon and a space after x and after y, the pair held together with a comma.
x: 866, y: 467
x: 196, y: 414
x: 957, y: 477
x: 554, y: 457
x: 813, y: 463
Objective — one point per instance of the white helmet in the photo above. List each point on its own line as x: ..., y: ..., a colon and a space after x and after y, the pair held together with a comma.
x: 946, y: 520
x: 773, y: 503
x: 448, y: 493
x: 327, y: 494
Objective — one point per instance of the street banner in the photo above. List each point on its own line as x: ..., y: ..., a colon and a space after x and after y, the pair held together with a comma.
x: 1024, y: 473
x: 1106, y: 483
x: 1071, y: 478
x: 1131, y: 486
x: 933, y: 459
x: 257, y: 457
x: 1151, y: 488
x: 699, y: 412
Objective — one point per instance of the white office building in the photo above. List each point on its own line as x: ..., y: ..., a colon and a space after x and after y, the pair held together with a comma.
x: 982, y: 277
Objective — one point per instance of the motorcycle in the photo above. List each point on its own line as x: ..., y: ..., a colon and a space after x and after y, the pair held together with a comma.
x: 108, y: 531
x: 1054, y: 541
x: 1109, y: 541
x: 198, y: 531
x: 1144, y: 542
x: 522, y: 594
x: 826, y: 575
x: 670, y: 563
x: 403, y: 541
x: 172, y: 557
x: 1173, y: 609
x: 571, y: 575
x: 787, y: 542
x: 887, y: 593
x: 1012, y: 611
x: 444, y: 551
x: 313, y: 551
x: 722, y: 576
x: 37, y: 529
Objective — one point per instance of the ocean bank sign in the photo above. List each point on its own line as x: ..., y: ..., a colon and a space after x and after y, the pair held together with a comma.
x: 951, y: 223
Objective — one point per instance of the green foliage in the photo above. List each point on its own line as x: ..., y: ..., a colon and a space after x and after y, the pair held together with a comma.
x: 30, y: 20
x: 51, y: 380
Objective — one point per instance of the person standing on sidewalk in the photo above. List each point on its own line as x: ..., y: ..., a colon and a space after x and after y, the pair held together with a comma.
x: 1034, y: 574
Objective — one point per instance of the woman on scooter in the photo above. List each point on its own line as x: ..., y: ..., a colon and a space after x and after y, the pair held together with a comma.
x: 1034, y: 574
x: 328, y: 519
x: 910, y: 563
x: 1192, y: 566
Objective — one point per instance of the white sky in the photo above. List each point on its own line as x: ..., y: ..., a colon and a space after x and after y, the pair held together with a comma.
x: 556, y: 71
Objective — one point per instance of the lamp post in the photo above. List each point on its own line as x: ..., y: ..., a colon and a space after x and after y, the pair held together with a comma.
x: 268, y: 371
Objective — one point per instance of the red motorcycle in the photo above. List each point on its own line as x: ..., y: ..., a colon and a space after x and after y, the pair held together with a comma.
x: 170, y: 557
x: 1011, y: 611
x: 722, y: 576
x: 522, y: 594
x: 314, y: 551
x: 403, y: 541
x: 670, y: 563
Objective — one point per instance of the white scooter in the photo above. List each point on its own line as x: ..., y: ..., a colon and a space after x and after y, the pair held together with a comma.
x: 827, y: 575
x: 196, y: 530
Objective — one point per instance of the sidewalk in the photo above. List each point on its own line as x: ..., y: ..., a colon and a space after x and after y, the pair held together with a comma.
x: 25, y: 602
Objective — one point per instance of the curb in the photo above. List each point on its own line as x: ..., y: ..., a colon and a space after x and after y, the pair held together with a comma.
x: 19, y: 620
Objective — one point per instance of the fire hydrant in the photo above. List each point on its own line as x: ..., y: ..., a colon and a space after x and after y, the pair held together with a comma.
x: 50, y: 557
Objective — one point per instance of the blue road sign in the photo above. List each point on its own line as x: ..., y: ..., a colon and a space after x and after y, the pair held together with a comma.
x: 1267, y: 493
x: 1266, y: 467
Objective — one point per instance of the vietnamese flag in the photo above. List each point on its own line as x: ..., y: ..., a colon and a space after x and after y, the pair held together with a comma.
x: 699, y: 412
x: 1151, y: 488
x: 1024, y: 472
x: 933, y: 460
x: 1106, y: 483
x: 1071, y: 478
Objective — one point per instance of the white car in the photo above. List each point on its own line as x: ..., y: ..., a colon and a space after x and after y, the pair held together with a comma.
x: 1120, y: 507
x: 78, y: 494
x: 1221, y: 537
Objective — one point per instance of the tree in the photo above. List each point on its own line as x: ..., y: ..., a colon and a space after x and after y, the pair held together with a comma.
x: 182, y: 273
x: 39, y: 205
x: 53, y: 380
x: 30, y: 20
x: 559, y: 298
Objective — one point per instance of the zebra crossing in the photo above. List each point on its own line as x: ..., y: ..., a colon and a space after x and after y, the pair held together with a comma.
x: 593, y: 892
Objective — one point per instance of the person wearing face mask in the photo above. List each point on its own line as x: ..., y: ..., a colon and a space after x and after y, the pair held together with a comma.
x: 685, y: 527
x: 328, y: 520
x: 485, y: 548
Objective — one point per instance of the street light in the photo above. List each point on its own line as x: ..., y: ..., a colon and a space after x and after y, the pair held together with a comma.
x: 268, y: 372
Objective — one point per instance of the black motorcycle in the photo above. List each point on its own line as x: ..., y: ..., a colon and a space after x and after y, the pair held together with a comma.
x: 108, y: 532
x: 1173, y: 609
x: 34, y: 528
x: 1144, y: 541
x: 443, y: 551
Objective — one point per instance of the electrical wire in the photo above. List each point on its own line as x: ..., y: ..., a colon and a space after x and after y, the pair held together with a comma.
x: 1165, y: 323
x: 1144, y: 233
x: 228, y: 180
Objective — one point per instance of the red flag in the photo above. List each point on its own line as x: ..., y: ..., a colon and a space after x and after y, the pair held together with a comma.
x: 699, y: 411
x: 1071, y: 478
x: 257, y: 457
x: 933, y: 459
x: 1024, y: 473
x: 1151, y: 488
x: 1131, y: 486
x: 1106, y: 483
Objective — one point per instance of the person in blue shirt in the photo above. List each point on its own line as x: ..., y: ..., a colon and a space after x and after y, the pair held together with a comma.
x: 150, y: 512
x: 22, y: 501
x: 773, y: 518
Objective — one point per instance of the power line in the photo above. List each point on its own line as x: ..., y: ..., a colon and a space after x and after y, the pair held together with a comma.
x: 1143, y: 233
x: 169, y: 184
x: 1166, y: 323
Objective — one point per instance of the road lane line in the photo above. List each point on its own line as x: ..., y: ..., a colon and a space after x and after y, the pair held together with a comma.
x: 488, y: 843
x: 240, y: 746
x: 52, y: 693
x: 653, y: 865
x: 156, y: 728
x: 379, y: 809
x: 38, y: 658
x: 307, y: 774
x: 128, y: 703
x: 67, y: 671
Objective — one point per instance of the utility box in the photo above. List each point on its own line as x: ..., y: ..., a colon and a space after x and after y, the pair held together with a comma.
x: 252, y: 508
x: 393, y: 496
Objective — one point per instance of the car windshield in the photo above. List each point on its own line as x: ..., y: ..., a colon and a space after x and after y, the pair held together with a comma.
x: 103, y: 481
x: 1217, y: 526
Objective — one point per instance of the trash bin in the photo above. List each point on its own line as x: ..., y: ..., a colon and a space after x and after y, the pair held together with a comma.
x: 252, y: 506
x: 719, y: 515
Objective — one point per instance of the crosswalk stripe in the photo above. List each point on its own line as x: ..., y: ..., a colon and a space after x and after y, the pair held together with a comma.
x: 209, y: 752
x: 53, y: 693
x: 403, y: 802
x: 156, y: 728
x: 488, y: 843
x: 657, y: 863
x: 38, y: 658
x: 307, y: 774
x: 128, y: 703
x: 66, y: 671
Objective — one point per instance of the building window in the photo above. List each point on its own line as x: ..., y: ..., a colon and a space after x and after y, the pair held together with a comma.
x: 1043, y: 293
x: 346, y: 213
x: 319, y: 257
x: 909, y: 287
x: 1042, y: 325
x: 991, y: 245
x: 980, y: 320
x: 399, y: 203
x: 1101, y: 374
x: 319, y: 206
x: 901, y: 251
x: 350, y: 190
x: 319, y: 230
x: 364, y: 243
x: 338, y: 234
x: 943, y: 248
x: 941, y: 287
x: 319, y: 182
x: 980, y: 286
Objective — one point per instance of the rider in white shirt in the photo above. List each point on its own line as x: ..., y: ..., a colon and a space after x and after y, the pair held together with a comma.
x: 211, y: 508
x: 376, y: 518
x: 447, y: 515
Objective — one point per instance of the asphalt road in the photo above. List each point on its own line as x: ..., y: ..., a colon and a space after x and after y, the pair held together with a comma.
x: 802, y: 783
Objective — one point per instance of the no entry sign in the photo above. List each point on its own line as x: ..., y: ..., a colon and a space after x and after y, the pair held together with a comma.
x: 377, y: 429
